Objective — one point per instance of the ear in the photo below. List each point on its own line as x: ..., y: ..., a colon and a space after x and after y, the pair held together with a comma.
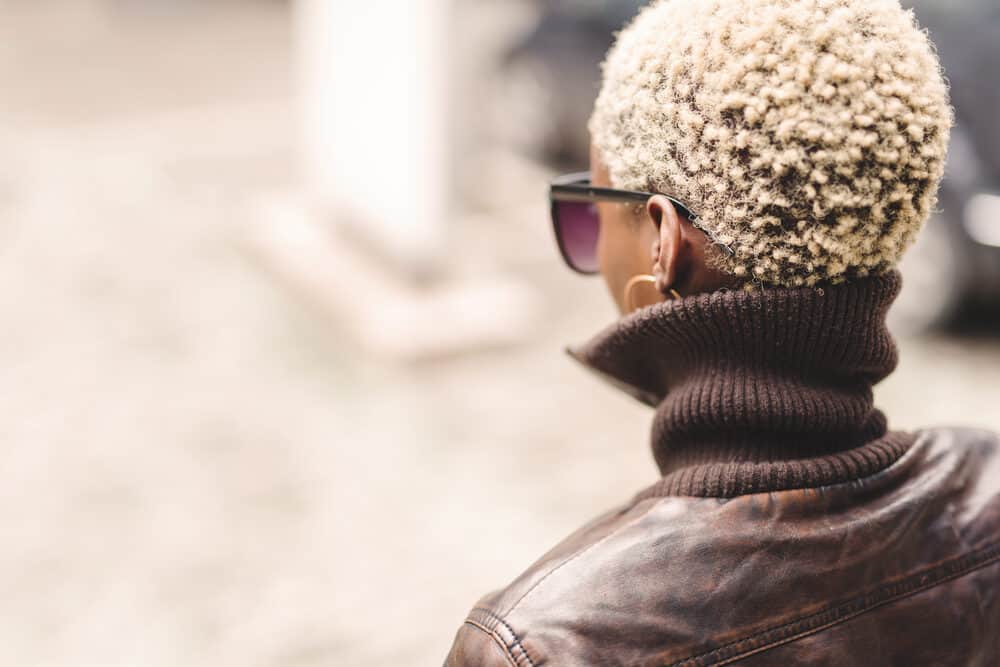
x: 668, y: 248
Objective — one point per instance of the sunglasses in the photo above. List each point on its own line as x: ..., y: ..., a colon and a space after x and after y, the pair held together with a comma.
x: 577, y: 224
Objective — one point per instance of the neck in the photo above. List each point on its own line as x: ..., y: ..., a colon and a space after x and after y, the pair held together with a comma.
x: 759, y: 391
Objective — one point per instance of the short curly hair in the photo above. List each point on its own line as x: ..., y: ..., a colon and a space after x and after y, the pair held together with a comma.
x: 808, y: 135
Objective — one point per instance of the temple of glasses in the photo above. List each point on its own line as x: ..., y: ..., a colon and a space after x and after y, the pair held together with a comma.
x: 577, y: 187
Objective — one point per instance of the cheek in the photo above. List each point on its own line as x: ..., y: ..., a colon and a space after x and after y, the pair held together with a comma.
x: 618, y: 247
x: 608, y: 242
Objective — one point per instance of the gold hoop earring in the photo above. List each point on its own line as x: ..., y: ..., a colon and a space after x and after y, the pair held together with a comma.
x: 638, y: 280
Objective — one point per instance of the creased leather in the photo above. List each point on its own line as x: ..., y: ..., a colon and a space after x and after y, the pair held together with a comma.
x: 900, y: 568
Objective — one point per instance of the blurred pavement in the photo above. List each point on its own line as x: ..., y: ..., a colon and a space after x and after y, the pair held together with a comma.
x: 199, y: 468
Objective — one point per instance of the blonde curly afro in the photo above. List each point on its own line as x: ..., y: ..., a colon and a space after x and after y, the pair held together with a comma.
x: 809, y: 136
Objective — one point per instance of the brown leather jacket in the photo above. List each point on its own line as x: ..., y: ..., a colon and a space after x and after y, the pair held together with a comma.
x: 883, y: 553
x: 900, y: 568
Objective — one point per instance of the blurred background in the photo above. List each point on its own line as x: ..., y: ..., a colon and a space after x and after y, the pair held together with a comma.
x: 283, y: 373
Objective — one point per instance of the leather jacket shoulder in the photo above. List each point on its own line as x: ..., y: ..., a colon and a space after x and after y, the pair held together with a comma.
x: 900, y: 567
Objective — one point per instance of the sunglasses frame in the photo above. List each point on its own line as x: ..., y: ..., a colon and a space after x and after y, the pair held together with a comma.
x: 576, y: 187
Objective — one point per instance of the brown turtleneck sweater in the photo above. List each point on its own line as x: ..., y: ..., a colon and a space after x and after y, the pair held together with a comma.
x: 759, y: 390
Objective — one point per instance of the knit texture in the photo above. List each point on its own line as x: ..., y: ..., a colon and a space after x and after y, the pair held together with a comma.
x: 809, y: 136
x: 759, y: 390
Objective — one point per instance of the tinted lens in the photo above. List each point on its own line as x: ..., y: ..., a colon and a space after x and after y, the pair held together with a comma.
x: 578, y: 225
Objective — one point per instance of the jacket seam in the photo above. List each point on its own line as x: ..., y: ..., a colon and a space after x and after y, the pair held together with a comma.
x: 496, y: 640
x: 822, y: 620
x: 515, y: 642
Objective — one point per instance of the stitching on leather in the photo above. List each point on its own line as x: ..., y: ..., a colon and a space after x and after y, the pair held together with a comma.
x: 491, y: 618
x: 585, y: 550
x: 516, y: 643
x: 821, y: 620
x: 496, y: 640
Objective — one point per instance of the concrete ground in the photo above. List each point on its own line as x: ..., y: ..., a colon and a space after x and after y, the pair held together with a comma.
x: 202, y: 469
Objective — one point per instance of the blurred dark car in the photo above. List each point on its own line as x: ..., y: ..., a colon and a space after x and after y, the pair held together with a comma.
x: 953, y: 269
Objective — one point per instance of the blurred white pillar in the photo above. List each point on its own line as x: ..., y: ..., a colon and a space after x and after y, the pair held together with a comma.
x: 376, y: 143
x: 373, y: 82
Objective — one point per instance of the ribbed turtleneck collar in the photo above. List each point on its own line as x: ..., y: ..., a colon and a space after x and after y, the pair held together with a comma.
x: 759, y: 390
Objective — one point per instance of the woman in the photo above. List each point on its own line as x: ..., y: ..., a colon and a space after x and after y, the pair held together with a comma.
x: 758, y: 167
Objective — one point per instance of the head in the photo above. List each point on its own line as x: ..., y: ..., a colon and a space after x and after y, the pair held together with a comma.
x: 808, y: 136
